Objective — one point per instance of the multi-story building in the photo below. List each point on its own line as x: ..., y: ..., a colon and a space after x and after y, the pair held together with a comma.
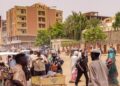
x: 91, y: 15
x: 4, y: 32
x: 0, y: 31
x: 0, y: 21
x: 23, y: 22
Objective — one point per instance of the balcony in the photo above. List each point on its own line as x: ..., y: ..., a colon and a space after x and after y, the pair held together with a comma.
x: 21, y: 32
x: 41, y: 13
x: 21, y: 14
x: 21, y: 21
x: 21, y: 28
x: 21, y: 25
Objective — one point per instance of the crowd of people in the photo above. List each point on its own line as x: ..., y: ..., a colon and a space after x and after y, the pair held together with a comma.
x: 21, y: 67
x: 98, y: 73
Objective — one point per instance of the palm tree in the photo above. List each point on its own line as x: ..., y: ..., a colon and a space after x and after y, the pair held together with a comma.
x: 75, y: 24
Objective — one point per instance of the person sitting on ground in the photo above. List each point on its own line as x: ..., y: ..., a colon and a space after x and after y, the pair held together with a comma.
x: 56, y: 63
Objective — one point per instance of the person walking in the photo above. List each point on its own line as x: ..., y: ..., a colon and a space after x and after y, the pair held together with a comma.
x: 74, y: 59
x: 111, y: 61
x: 98, y: 71
x: 82, y: 68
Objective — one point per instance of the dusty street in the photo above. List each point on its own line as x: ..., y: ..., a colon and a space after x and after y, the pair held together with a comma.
x: 67, y: 68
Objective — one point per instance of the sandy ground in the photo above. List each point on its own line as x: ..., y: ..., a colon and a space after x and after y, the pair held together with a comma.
x: 67, y: 68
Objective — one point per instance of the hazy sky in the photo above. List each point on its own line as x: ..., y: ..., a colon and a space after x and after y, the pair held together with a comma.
x: 104, y: 7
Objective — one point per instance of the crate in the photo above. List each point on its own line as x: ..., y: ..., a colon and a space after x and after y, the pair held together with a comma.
x: 48, y: 81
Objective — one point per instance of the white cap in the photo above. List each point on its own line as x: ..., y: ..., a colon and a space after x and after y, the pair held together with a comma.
x: 95, y: 51
x: 75, y: 53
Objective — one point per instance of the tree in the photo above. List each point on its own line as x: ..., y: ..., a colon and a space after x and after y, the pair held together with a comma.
x: 116, y: 24
x: 74, y: 25
x: 43, y: 38
x: 94, y: 22
x: 94, y: 35
x: 57, y: 31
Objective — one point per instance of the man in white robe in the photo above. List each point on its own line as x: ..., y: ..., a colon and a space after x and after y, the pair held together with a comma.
x: 98, y: 70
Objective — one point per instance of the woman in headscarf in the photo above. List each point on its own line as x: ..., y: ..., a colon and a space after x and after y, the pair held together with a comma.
x: 98, y: 71
x: 74, y: 59
x: 113, y: 73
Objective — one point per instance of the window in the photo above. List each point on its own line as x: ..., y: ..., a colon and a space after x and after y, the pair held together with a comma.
x: 41, y: 25
x: 23, y: 11
x: 41, y: 19
x: 23, y: 24
x: 41, y: 13
x: 22, y: 31
x: 57, y: 15
x: 23, y: 18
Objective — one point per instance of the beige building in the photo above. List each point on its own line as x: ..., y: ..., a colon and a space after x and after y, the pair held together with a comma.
x: 0, y: 31
x: 92, y: 15
x: 107, y: 24
x: 113, y: 37
x: 23, y: 22
x: 3, y: 32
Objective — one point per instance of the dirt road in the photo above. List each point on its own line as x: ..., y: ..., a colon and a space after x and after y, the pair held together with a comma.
x: 67, y: 68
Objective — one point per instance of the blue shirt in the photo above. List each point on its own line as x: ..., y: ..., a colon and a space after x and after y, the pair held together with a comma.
x: 12, y: 63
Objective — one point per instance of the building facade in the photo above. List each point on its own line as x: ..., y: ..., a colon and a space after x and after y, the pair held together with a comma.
x: 0, y: 31
x: 23, y: 22
x: 4, y: 36
x: 92, y: 15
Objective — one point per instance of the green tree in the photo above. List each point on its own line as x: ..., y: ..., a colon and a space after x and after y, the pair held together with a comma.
x: 74, y: 25
x: 57, y: 31
x: 94, y: 35
x: 94, y: 22
x: 116, y: 24
x: 43, y: 38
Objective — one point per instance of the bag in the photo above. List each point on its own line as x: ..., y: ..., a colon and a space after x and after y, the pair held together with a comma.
x: 53, y: 67
x: 109, y: 63
x: 74, y: 74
